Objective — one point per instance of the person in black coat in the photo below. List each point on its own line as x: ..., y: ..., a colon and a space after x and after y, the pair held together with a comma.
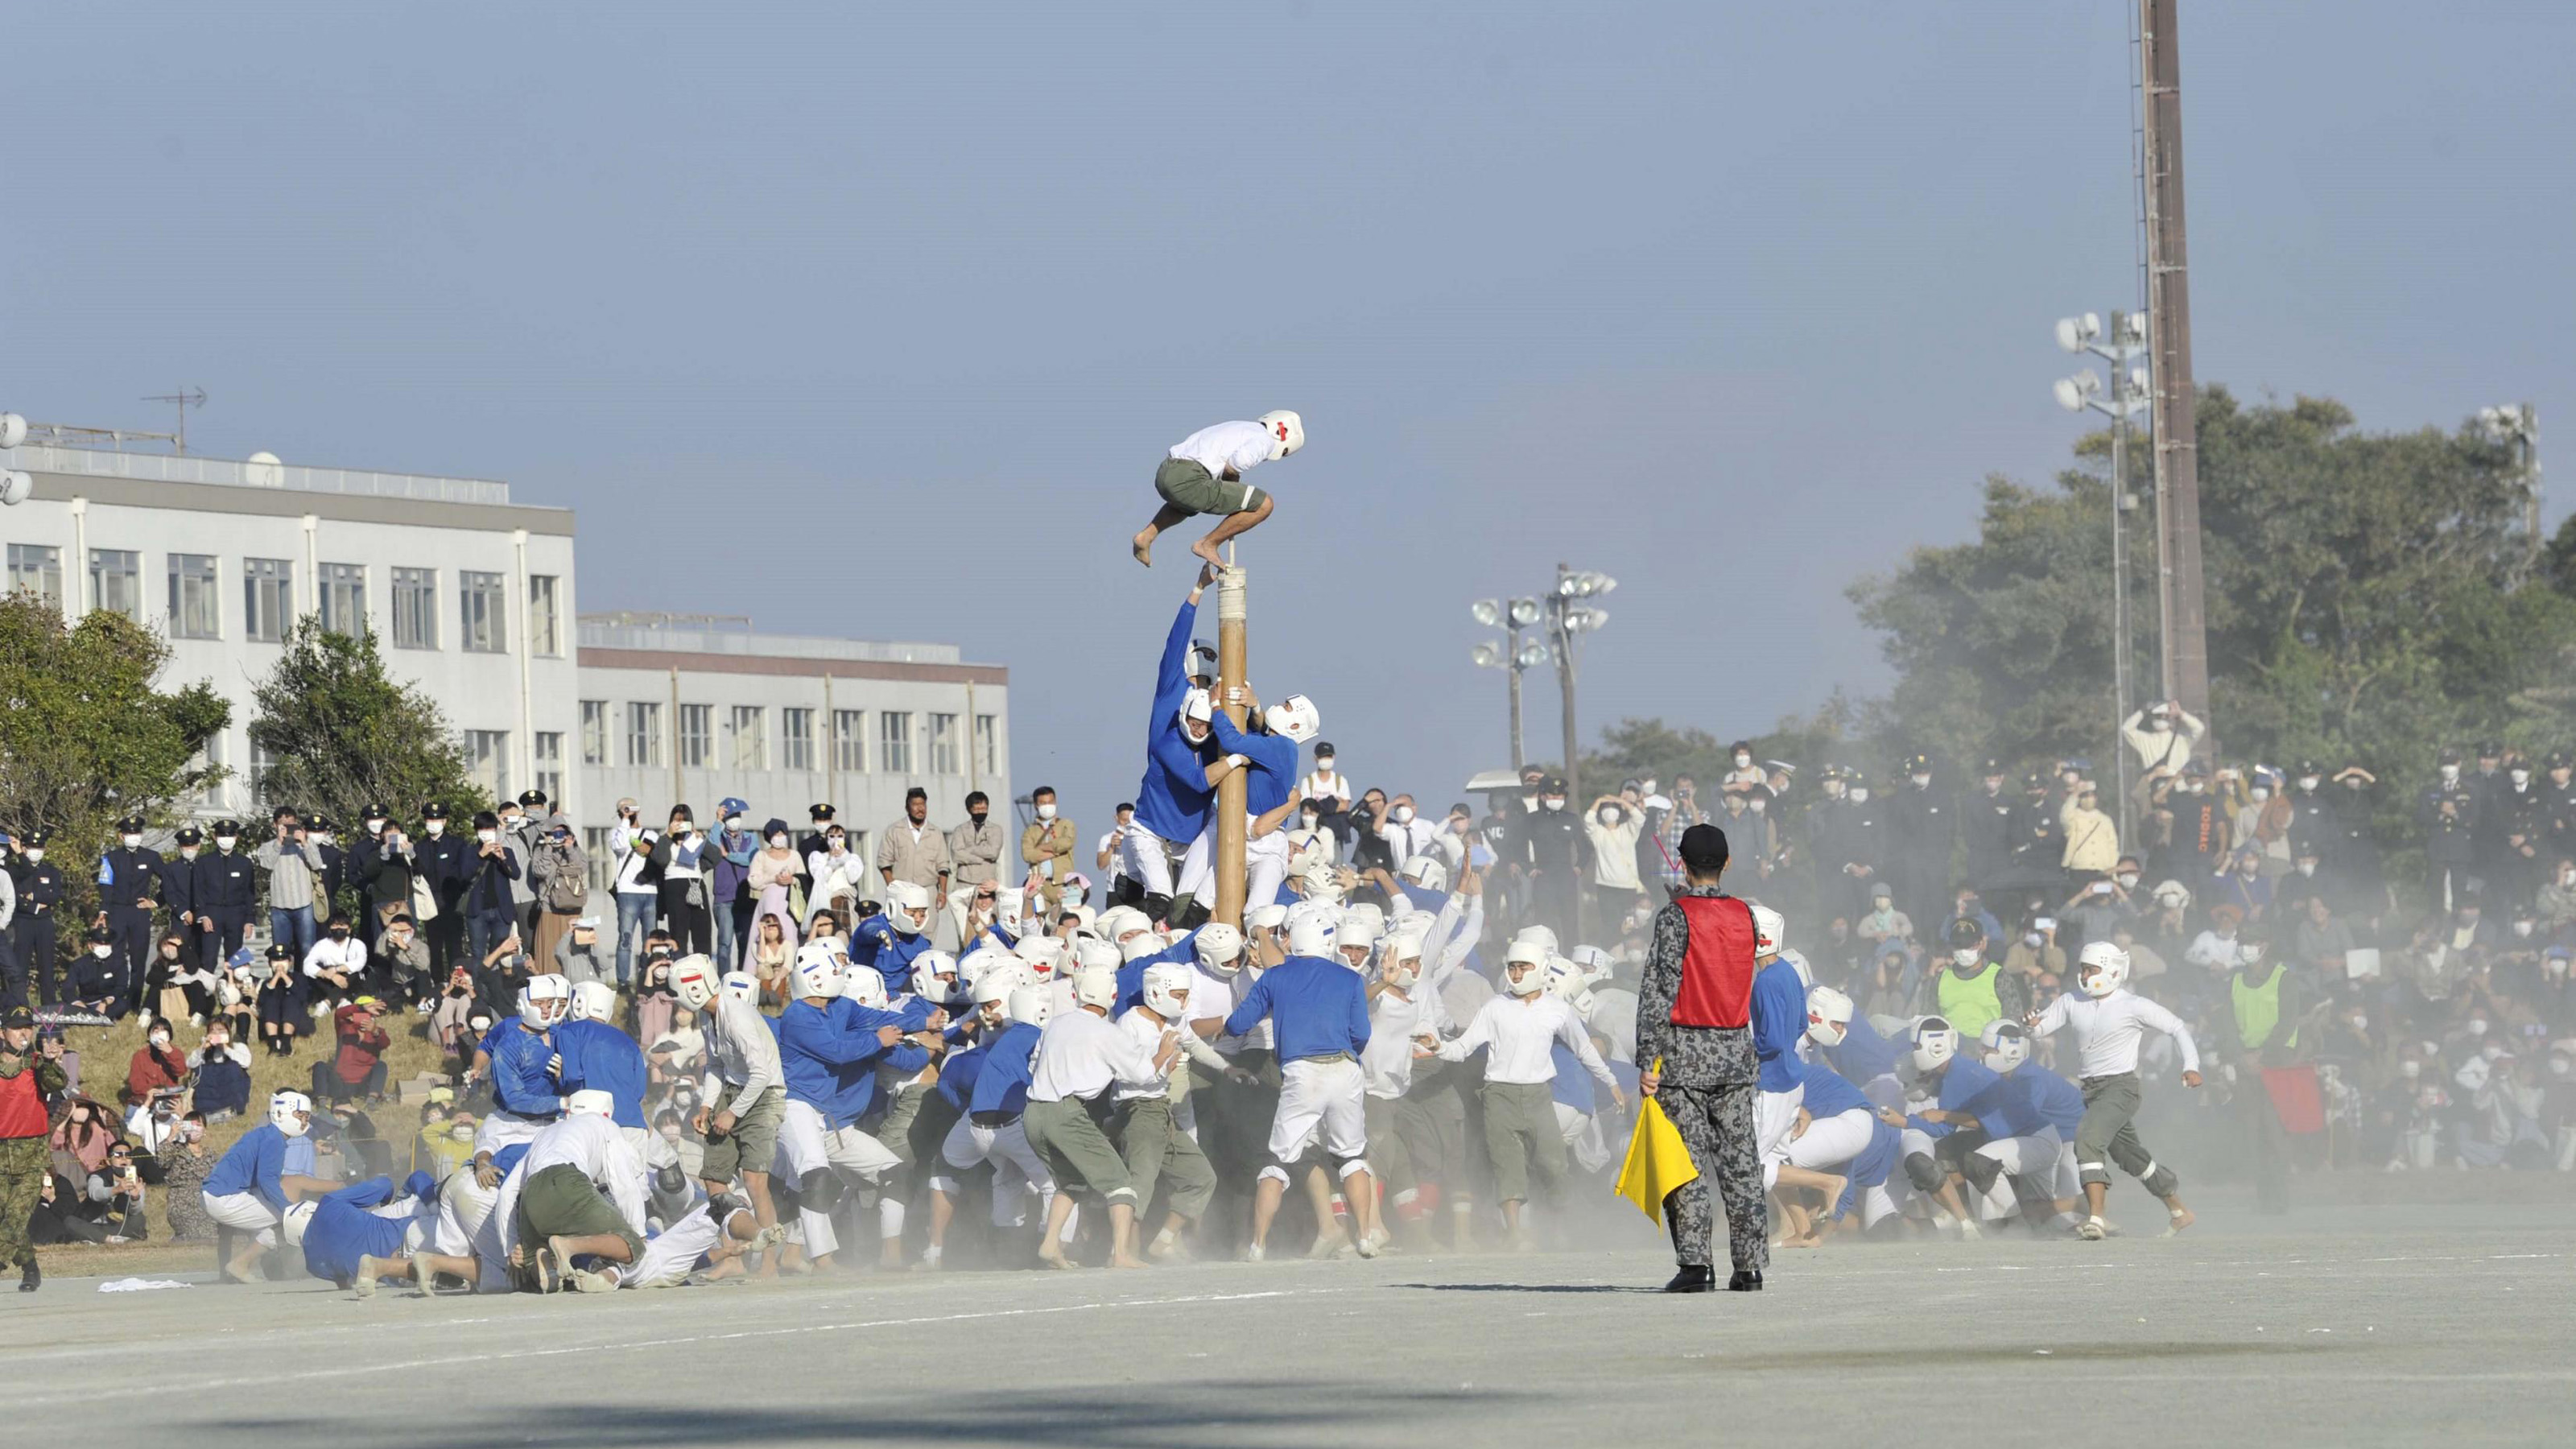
x: 224, y: 885
x: 447, y: 861
x: 126, y: 901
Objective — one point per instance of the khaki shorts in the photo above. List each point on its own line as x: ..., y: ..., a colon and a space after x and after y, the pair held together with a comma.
x: 561, y: 1201
x: 752, y: 1145
x: 1186, y: 483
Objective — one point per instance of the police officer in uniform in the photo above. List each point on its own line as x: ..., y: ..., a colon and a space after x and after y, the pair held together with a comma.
x: 1986, y: 830
x: 225, y: 886
x: 40, y: 896
x: 361, y: 866
x: 2558, y: 812
x: 446, y: 860
x: 1822, y: 828
x: 179, y: 894
x: 1919, y: 826
x: 131, y: 879
x: 1863, y: 845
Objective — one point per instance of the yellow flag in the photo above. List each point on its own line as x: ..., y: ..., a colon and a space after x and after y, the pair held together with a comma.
x: 1658, y: 1160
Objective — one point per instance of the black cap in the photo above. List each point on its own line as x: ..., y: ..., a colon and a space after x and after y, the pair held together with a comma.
x: 130, y: 822
x: 2450, y: 755
x: 2309, y: 767
x: 1704, y: 849
x: 819, y: 812
x: 1554, y: 783
x: 2034, y: 781
x: 528, y: 799
x: 190, y: 835
x: 1917, y: 761
x: 433, y: 810
x: 2558, y: 760
x: 1964, y: 932
x: 1994, y: 767
x: 28, y: 838
x: 18, y: 1018
x: 2489, y: 750
x: 228, y: 827
x: 280, y: 951
x: 378, y: 812
x: 316, y: 820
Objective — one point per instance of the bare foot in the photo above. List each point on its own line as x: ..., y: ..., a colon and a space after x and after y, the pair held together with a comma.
x: 1327, y: 1245
x: 1833, y: 1194
x: 1142, y: 545
x: 1121, y: 1260
x: 2181, y: 1219
x: 1207, y: 551
x: 1054, y: 1257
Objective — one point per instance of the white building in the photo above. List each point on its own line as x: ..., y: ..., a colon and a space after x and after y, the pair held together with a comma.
x: 470, y: 595
x: 691, y: 709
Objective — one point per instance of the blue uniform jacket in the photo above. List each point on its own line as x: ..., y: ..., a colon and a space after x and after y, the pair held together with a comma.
x: 1864, y: 1055
x: 1966, y: 1086
x: 1779, y: 1019
x: 875, y: 942
x: 599, y: 1057
x: 253, y: 1165
x: 1003, y: 1084
x: 830, y: 1053
x: 1317, y: 1008
x: 522, y: 1083
x: 1274, y: 764
x: 342, y: 1229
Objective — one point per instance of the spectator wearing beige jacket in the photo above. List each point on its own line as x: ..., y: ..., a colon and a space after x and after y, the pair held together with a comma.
x: 975, y: 848
x: 1046, y: 847
x: 2092, y: 838
x: 912, y: 849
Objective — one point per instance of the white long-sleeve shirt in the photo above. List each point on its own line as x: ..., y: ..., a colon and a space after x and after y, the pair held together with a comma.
x: 1395, y: 1019
x: 329, y: 955
x: 1082, y: 1055
x: 1145, y: 1029
x: 596, y: 1148
x: 2108, y: 1028
x: 741, y: 1053
x: 1518, y: 1033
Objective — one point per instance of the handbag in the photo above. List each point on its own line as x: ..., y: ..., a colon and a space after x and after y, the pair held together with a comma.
x: 424, y: 901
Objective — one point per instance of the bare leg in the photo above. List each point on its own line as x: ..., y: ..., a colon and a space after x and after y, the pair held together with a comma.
x: 2181, y: 1217
x: 1227, y: 528
x: 1164, y: 517
x: 942, y: 1209
x: 1051, y: 1243
x: 1122, y: 1236
x: 1359, y: 1189
x: 1265, y: 1207
x: 1319, y: 1192
x: 755, y: 1185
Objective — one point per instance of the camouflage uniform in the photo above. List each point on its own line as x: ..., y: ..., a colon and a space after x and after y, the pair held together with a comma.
x: 1708, y: 1091
x: 24, y: 1161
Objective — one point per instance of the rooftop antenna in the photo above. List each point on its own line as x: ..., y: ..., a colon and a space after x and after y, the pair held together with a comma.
x: 184, y: 399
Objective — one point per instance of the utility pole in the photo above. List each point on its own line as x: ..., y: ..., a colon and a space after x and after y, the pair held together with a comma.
x: 1565, y: 684
x: 1512, y: 666
x: 1231, y: 822
x: 2185, y: 641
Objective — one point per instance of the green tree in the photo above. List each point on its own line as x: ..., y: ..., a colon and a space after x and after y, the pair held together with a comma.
x: 345, y: 735
x: 87, y: 736
x: 1636, y: 748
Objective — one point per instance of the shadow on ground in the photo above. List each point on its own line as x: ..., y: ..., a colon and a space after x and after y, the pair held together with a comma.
x: 1192, y: 1414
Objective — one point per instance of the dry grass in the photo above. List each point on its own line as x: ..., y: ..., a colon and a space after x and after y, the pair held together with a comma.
x: 104, y: 1053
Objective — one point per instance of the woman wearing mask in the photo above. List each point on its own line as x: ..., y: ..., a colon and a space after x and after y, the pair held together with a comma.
x: 157, y: 1066
x: 769, y: 958
x: 185, y: 1165
x: 687, y: 890
x: 2263, y: 821
x: 2034, y: 951
x: 221, y: 1074
x: 1612, y: 826
x: 840, y: 877
x: 281, y: 1001
x: 772, y: 881
x: 82, y: 1138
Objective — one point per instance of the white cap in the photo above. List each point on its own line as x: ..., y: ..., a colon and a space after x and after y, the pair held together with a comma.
x: 1312, y: 927
x: 1829, y: 1016
x: 1428, y: 871
x: 1218, y: 946
x: 590, y: 1102
x: 1138, y: 947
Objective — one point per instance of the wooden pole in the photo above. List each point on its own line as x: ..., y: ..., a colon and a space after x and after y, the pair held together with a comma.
x: 1231, y: 823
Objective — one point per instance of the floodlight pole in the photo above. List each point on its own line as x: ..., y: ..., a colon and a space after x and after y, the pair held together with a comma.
x: 1231, y: 821
x: 1512, y: 666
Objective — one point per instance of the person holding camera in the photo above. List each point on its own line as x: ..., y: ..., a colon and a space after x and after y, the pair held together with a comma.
x: 221, y: 1075
x: 447, y: 864
x: 402, y: 962
x: 638, y: 884
x: 358, y: 1067
x: 294, y: 879
x: 281, y: 1001
x: 113, y: 1197
x: 156, y: 1065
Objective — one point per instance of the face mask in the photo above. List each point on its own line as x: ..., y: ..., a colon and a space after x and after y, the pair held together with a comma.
x: 1404, y: 815
x: 733, y: 823
x: 35, y: 855
x: 2522, y: 928
x: 2555, y: 965
x: 320, y: 837
x: 2477, y: 1026
x: 160, y: 1038
x: 1556, y: 803
x: 102, y: 952
x: 1047, y: 811
x: 187, y: 852
x: 374, y: 824
x: 835, y: 842
x: 2260, y: 793
x: 340, y: 933
x: 1965, y: 956
x: 1833, y: 789
x: 1860, y: 794
x: 2361, y: 1023
x: 2410, y: 1069
x: 1608, y: 817
x: 2031, y: 939
x: 2450, y: 774
x: 1920, y: 781
x: 2248, y: 870
x: 1742, y: 761
x: 2129, y: 881
x: 2307, y: 867
x: 2307, y: 783
x: 2520, y: 777
x: 169, y: 953
x: 2355, y: 785
x: 1310, y: 819
x: 1324, y: 764
x: 131, y: 841
x: 436, y: 827
x: 487, y: 836
x: 778, y: 842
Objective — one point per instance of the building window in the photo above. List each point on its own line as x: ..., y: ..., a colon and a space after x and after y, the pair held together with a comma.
x: 487, y: 759
x: 894, y: 742
x: 415, y: 608
x: 195, y: 610
x: 697, y: 736
x: 988, y: 745
x: 268, y: 599
x: 850, y: 741
x: 116, y: 582
x: 262, y: 761
x: 747, y: 738
x: 796, y: 739
x: 943, y: 745
x: 644, y: 734
x: 594, y: 732
x: 343, y: 590
x: 37, y: 568
x: 550, y: 766
x: 545, y: 634
x: 595, y: 848
x: 483, y: 611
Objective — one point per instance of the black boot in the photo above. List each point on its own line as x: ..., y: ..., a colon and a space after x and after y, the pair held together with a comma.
x: 32, y: 1278
x: 1746, y: 1280
x: 1693, y: 1278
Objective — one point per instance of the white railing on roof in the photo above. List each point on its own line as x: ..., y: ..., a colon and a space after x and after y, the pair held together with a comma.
x: 226, y: 472
x: 759, y: 646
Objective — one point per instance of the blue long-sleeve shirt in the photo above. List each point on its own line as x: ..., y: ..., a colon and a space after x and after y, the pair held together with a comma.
x: 1274, y: 764
x: 522, y: 1083
x: 2034, y: 1097
x: 1779, y: 1019
x: 958, y: 1072
x: 253, y: 1165
x: 1171, y: 670
x: 1172, y: 800
x: 829, y: 1055
x: 1317, y: 1008
x: 1131, y: 976
x: 1864, y: 1055
x: 342, y: 1229
x: 875, y: 942
x: 1572, y: 1084
x: 599, y: 1057
x: 1829, y: 1093
x: 1966, y: 1086
x: 1003, y: 1084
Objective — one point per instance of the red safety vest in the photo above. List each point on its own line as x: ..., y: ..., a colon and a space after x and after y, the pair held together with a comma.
x: 22, y: 1110
x: 1717, y: 970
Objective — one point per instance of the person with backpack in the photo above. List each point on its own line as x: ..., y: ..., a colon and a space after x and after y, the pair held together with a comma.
x: 562, y: 878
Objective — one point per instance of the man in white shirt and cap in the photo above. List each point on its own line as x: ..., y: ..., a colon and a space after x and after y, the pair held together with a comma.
x: 1081, y: 1055
x: 1203, y: 473
x: 2108, y: 1021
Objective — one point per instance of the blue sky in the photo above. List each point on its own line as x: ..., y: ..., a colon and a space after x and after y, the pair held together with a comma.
x: 876, y: 323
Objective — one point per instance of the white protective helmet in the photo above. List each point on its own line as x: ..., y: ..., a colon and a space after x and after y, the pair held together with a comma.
x: 980, y: 963
x: 1767, y: 931
x: 695, y: 981
x: 593, y: 1001
x: 1096, y: 988
x: 864, y: 985
x: 1935, y: 1042
x: 1594, y: 962
x: 1287, y: 432
x: 1030, y: 1004
x: 1829, y: 1016
x: 1531, y: 959
x: 1268, y: 916
x: 1091, y: 955
x: 1400, y: 964
x: 1198, y: 707
x: 1219, y: 948
x: 590, y: 1102
x: 1166, y: 984
x: 1010, y: 909
x: 544, y: 1000
x: 1312, y: 927
x: 2007, y: 1045
x: 1042, y: 955
x: 818, y: 971
x: 1427, y: 871
x: 290, y: 1113
x: 908, y: 907
x: 298, y: 1218
x: 1117, y: 923
x: 1293, y: 718
x: 1138, y: 947
x: 1545, y: 937
x: 994, y: 987
x: 741, y: 985
x: 937, y: 966
x: 1364, y: 919
x: 2102, y: 969
x: 1202, y: 661
x: 1567, y: 981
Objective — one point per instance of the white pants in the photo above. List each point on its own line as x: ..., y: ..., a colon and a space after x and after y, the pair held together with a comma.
x: 671, y: 1255
x: 1198, y: 867
x: 1007, y: 1148
x: 244, y: 1211
x: 463, y: 1204
x: 1325, y: 1100
x: 1774, y: 1113
x: 500, y: 1129
x: 1145, y: 859
x: 1877, y: 1203
x: 806, y: 1147
x: 1832, y: 1141
x: 2039, y: 1162
x: 1265, y: 861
